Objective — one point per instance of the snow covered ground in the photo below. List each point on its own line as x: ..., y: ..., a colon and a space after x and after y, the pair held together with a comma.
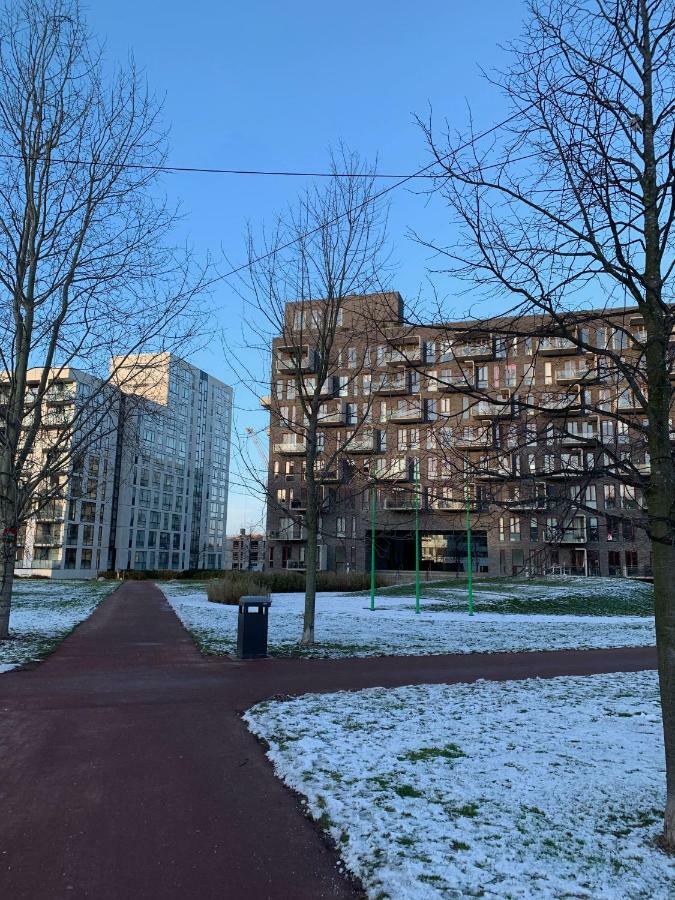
x: 545, y: 788
x: 43, y: 613
x: 345, y: 626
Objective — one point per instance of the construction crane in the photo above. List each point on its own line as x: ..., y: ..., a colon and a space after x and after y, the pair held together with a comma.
x: 258, y: 446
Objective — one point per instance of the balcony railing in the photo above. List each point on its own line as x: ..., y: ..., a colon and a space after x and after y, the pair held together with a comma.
x: 565, y: 536
x: 48, y: 540
x: 554, y: 345
x: 400, y: 504
x: 405, y: 355
x: 388, y: 384
x: 332, y: 419
x: 290, y: 447
x: 577, y: 433
x: 363, y: 443
x: 50, y: 514
x: 556, y: 403
x: 576, y: 374
x: 296, y: 533
x: 629, y: 403
x: 474, y: 350
x: 469, y: 440
x: 396, y: 470
x: 40, y: 564
x: 492, y: 409
x: 408, y: 412
x: 499, y: 468
x: 294, y: 361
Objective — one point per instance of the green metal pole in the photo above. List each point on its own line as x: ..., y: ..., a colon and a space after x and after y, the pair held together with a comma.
x: 417, y: 538
x: 372, y: 547
x: 468, y: 550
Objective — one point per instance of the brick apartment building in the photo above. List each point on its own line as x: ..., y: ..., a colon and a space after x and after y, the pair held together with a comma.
x: 518, y: 424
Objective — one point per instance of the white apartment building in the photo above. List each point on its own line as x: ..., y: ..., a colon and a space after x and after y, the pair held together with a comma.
x: 151, y: 493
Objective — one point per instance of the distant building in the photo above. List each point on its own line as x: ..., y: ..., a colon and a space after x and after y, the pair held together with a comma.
x: 151, y: 491
x: 246, y: 552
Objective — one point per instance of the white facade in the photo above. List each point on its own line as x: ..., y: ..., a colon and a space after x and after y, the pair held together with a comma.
x: 151, y: 494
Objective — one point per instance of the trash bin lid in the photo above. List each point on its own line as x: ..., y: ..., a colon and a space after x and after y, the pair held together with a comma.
x: 255, y: 600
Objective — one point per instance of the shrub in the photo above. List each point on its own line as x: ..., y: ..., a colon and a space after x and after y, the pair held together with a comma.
x: 230, y: 586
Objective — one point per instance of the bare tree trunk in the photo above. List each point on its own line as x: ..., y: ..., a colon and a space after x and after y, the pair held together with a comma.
x: 311, y: 549
x: 311, y: 552
x: 8, y: 557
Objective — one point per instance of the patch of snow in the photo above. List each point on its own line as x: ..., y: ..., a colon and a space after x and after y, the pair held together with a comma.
x: 345, y: 626
x: 544, y: 788
x: 43, y: 613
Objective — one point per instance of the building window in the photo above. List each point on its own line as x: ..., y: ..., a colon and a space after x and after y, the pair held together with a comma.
x: 85, y: 559
x: 514, y: 528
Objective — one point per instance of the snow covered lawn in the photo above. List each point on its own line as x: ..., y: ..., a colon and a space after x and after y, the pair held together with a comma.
x: 43, y: 613
x: 345, y: 626
x: 544, y: 788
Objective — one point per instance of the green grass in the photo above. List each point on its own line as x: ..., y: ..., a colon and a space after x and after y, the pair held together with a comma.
x: 545, y: 596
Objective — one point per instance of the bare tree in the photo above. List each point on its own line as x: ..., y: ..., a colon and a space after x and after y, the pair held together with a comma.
x: 90, y: 278
x: 571, y: 204
x: 329, y: 248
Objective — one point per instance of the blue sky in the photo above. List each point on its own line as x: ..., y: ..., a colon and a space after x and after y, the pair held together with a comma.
x: 261, y: 85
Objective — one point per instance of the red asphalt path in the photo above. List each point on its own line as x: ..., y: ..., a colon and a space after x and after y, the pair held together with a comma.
x: 126, y: 772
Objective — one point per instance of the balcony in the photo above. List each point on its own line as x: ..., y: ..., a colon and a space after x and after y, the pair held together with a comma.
x: 453, y: 504
x: 556, y: 403
x: 470, y: 439
x: 404, y: 503
x: 50, y: 513
x: 46, y: 564
x: 392, y: 470
x: 405, y: 354
x: 527, y: 504
x: 555, y: 345
x: 296, y: 359
x: 290, y: 448
x: 566, y: 534
x: 48, y: 540
x: 332, y: 420
x: 567, y: 467
x: 493, y: 409
x: 478, y: 350
x: 266, y: 401
x: 390, y: 384
x: 579, y: 434
x: 327, y: 389
x: 629, y: 403
x: 577, y: 374
x: 58, y: 418
x: 408, y: 412
x: 60, y: 394
x: 498, y: 467
x: 329, y: 476
x: 294, y: 533
x: 364, y: 443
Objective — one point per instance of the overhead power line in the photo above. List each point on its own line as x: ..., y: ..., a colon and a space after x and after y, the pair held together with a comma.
x: 399, y: 181
x: 207, y: 170
x: 377, y: 196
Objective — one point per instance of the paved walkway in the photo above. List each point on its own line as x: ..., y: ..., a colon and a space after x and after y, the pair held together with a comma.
x: 125, y: 770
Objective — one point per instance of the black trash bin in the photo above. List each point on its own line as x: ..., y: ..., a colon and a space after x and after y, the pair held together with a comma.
x: 252, y: 627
